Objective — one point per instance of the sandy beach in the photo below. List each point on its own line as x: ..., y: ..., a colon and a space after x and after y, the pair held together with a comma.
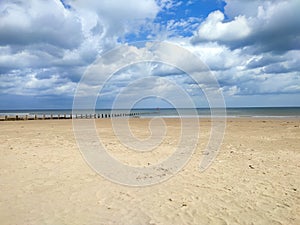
x: 253, y: 180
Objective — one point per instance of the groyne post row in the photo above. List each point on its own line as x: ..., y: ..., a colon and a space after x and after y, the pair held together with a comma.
x: 68, y: 116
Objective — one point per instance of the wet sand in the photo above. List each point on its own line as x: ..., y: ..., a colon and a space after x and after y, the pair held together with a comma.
x: 253, y: 180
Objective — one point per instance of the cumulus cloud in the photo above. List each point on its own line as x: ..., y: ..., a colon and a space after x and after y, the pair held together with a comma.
x: 114, y: 18
x: 252, y: 47
x: 31, y: 22
x: 214, y: 28
x: 263, y: 25
x: 45, y: 46
x: 31, y: 82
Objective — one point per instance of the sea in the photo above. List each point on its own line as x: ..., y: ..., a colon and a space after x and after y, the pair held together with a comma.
x: 260, y: 112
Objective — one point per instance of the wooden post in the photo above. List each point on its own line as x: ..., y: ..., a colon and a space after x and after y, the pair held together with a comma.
x: 35, y: 117
x: 51, y: 116
x: 26, y: 117
x: 43, y: 116
x: 58, y: 116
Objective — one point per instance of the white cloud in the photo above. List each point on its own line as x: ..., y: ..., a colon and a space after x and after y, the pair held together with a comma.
x: 113, y: 18
x: 31, y: 22
x: 255, y: 50
x: 265, y: 25
x: 214, y: 28
x: 31, y: 84
x: 169, y: 4
x: 45, y: 46
x: 253, y: 47
x: 218, y: 57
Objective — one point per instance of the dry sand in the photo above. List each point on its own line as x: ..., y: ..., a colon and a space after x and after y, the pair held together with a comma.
x: 253, y: 180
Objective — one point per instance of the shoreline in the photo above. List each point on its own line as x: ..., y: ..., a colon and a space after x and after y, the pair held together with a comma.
x: 94, y: 117
x: 230, y: 112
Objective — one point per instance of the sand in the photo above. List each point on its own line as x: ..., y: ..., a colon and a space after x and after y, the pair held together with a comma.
x: 254, y: 179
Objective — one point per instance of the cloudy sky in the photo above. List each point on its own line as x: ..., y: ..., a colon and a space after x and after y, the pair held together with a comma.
x: 251, y: 47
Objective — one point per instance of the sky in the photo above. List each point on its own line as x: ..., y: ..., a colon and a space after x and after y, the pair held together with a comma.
x: 252, y: 49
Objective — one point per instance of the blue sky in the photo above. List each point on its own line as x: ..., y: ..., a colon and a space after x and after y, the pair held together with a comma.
x: 252, y: 48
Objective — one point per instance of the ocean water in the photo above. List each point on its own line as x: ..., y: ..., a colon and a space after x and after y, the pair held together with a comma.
x: 236, y: 112
x: 273, y: 112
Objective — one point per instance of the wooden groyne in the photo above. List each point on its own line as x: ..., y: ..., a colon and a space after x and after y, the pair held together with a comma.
x: 70, y: 116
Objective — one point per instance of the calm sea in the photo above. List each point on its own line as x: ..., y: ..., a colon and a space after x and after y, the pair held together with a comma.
x: 201, y: 112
